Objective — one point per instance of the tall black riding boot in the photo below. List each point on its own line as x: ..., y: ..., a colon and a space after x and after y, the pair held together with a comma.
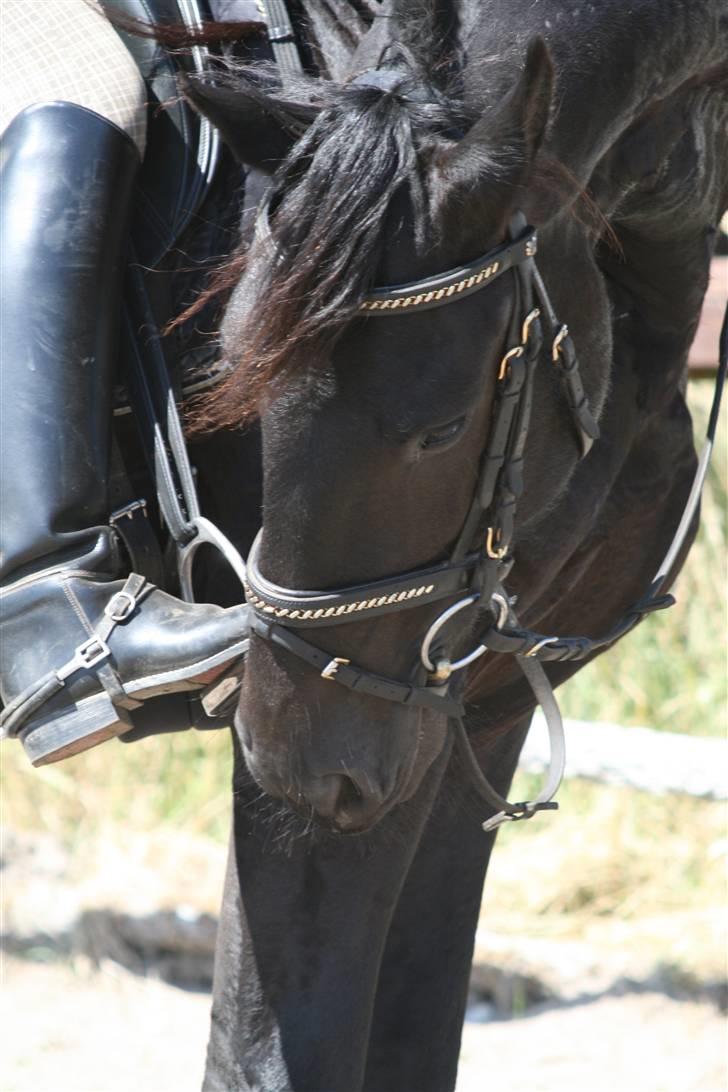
x: 80, y: 649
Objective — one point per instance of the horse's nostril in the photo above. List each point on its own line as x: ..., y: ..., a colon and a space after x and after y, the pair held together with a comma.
x: 338, y: 799
x: 349, y: 794
x: 322, y: 793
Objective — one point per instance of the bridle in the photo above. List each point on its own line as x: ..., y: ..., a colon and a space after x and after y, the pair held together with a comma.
x: 476, y: 576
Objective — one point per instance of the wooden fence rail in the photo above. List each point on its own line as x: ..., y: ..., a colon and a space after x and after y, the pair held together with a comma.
x: 640, y: 758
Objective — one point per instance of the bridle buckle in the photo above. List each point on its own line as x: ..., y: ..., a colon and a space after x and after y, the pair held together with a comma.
x: 332, y: 667
x: 525, y: 810
x: 526, y: 327
x: 563, y: 332
x: 512, y: 354
x: 491, y: 547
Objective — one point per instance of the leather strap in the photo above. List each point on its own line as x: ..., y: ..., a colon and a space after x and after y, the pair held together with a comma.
x: 452, y: 285
x: 563, y: 355
x: 160, y: 427
x: 282, y: 38
x: 543, y: 801
x: 342, y: 671
x: 358, y: 601
x: 525, y: 642
x: 135, y: 530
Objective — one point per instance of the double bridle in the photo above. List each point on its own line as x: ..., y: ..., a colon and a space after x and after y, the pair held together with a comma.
x: 476, y: 576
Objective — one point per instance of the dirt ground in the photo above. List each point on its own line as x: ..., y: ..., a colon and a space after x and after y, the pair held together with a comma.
x: 90, y: 930
x: 71, y: 1028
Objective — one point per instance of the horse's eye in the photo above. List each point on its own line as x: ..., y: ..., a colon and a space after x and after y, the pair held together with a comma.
x: 443, y: 434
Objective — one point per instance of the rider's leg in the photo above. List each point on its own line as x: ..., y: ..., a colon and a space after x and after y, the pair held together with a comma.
x: 79, y: 649
x: 67, y: 51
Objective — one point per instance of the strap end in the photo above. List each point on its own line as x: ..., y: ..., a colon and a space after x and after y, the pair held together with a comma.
x: 526, y: 811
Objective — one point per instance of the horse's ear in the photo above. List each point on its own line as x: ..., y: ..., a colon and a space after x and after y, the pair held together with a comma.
x: 259, y: 129
x: 513, y: 131
x: 536, y: 88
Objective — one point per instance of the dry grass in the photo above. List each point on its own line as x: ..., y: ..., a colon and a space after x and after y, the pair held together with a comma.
x: 179, y: 780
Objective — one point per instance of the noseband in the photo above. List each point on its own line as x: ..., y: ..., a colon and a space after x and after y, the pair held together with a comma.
x: 476, y: 576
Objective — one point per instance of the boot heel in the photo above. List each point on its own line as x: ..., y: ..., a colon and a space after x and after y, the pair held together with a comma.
x: 220, y: 698
x: 76, y: 729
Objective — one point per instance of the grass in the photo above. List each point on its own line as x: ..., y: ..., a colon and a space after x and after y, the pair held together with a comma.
x: 179, y: 780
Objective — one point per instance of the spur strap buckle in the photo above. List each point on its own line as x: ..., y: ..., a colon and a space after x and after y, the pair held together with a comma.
x: 120, y: 606
x: 127, y: 512
x: 88, y: 655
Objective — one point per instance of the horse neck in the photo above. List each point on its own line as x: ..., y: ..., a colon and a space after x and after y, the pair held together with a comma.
x: 659, y: 45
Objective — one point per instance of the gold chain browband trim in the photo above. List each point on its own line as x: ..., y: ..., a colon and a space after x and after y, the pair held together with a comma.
x: 335, y: 612
x: 403, y: 302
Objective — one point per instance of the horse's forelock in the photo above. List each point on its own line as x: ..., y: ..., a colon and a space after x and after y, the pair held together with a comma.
x: 331, y: 197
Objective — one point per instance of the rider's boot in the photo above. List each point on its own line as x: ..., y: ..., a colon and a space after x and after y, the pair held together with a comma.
x: 80, y: 649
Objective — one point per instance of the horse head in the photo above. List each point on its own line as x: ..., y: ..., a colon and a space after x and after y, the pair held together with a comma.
x: 373, y: 430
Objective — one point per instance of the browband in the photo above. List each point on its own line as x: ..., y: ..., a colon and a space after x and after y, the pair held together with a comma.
x: 454, y: 283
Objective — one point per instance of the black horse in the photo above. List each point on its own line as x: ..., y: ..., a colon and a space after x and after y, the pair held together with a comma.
x: 343, y: 960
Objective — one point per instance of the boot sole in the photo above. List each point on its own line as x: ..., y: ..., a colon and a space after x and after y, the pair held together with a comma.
x: 77, y: 728
x: 95, y: 719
